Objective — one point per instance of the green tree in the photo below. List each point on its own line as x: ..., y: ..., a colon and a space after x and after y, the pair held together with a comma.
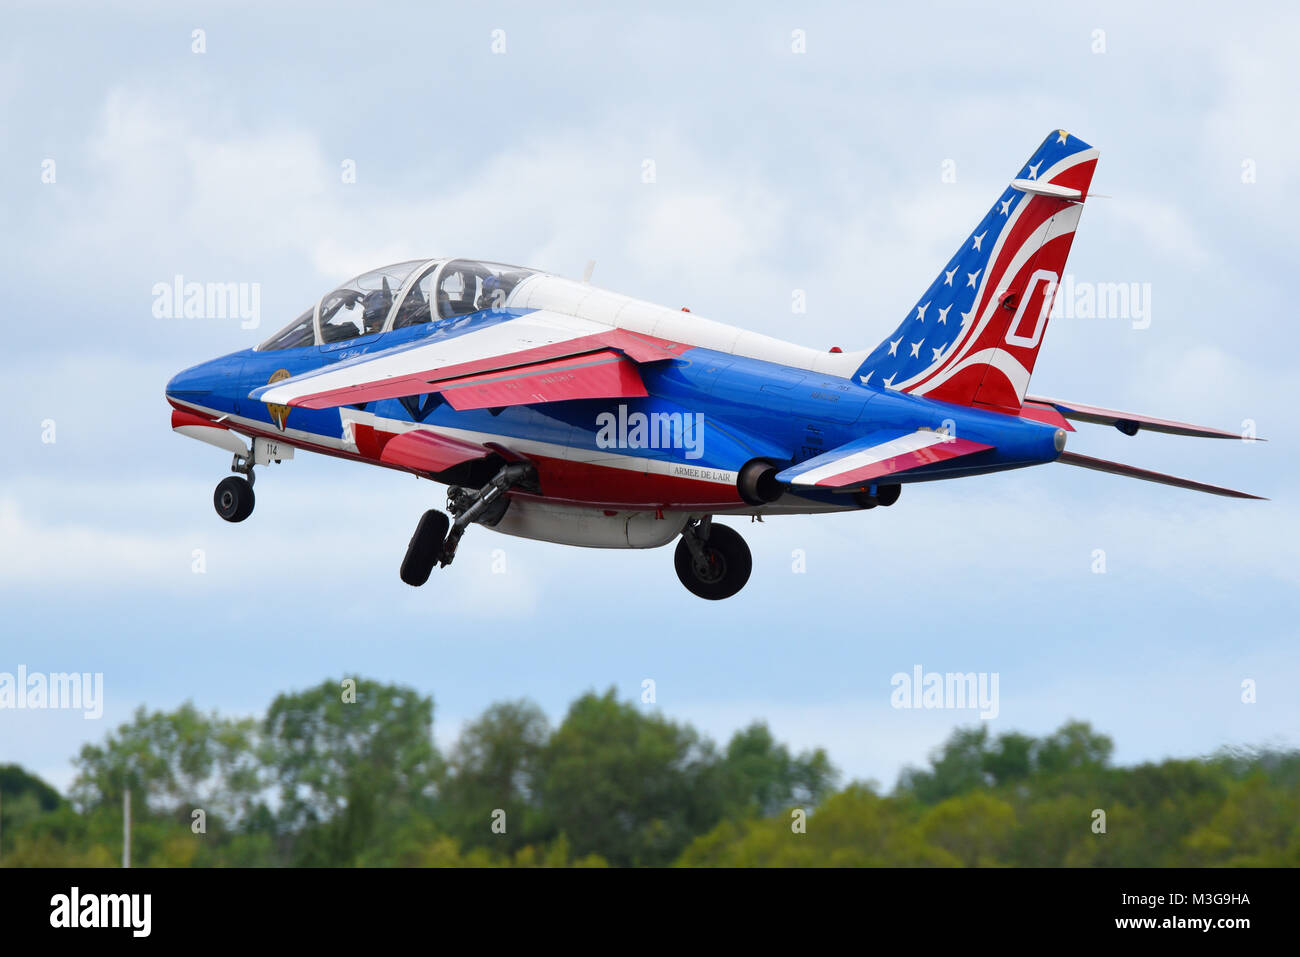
x: 173, y: 762
x: 626, y: 784
x: 495, y: 765
x: 1073, y: 747
x: 760, y: 776
x: 351, y: 768
x: 974, y: 828
x: 956, y: 767
x: 1011, y: 760
x: 854, y: 828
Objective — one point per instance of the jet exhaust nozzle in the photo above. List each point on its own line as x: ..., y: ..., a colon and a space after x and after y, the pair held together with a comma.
x: 757, y: 482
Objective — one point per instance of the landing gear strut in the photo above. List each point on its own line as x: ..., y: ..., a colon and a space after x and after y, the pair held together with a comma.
x: 233, y: 498
x: 712, y: 561
x: 436, y: 537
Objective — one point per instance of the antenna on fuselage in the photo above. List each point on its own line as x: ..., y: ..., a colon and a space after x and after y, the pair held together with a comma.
x: 591, y: 268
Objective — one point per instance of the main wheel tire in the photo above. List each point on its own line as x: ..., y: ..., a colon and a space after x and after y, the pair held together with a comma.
x: 729, y: 565
x: 425, y: 547
x: 234, y: 499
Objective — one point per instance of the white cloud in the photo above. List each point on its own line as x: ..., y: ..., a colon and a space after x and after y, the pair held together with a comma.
x: 1163, y: 228
x: 1256, y: 98
x: 57, y: 538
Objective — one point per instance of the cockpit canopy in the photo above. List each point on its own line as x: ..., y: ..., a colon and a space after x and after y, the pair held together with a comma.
x: 395, y: 297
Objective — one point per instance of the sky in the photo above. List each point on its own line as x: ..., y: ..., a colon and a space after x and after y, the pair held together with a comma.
x: 841, y: 154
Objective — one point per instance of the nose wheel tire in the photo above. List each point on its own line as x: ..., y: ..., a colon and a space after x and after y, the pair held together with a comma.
x: 720, y: 570
x: 233, y: 498
x: 425, y: 548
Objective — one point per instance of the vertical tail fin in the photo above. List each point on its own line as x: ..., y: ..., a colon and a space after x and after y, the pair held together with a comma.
x: 973, y: 337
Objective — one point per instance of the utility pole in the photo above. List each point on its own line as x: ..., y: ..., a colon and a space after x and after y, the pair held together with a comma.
x: 126, y: 828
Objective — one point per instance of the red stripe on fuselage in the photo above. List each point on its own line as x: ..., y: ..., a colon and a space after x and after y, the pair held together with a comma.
x: 586, y: 483
x: 561, y: 480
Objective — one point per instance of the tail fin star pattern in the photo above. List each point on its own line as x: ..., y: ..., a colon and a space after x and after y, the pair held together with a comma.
x: 973, y: 336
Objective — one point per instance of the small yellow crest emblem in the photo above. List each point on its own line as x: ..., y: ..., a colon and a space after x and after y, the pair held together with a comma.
x: 279, y: 413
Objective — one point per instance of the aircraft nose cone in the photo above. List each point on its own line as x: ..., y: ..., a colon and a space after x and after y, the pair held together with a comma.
x: 195, y: 381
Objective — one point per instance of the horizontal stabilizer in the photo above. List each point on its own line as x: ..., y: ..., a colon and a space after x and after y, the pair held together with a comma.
x: 1115, y: 468
x: 857, y: 464
x: 1130, y: 422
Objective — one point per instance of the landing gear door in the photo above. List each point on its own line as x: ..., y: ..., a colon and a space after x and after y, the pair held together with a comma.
x: 266, y: 451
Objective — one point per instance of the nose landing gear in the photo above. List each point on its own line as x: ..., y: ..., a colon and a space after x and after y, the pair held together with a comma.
x: 712, y: 561
x: 233, y: 498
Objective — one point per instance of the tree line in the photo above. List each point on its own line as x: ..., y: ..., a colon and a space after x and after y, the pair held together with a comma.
x: 348, y: 774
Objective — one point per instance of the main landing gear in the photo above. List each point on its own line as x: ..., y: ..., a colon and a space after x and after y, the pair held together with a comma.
x: 712, y: 561
x: 233, y: 498
x: 436, y: 536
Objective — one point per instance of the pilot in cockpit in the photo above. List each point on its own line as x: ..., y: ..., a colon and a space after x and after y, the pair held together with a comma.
x: 493, y: 295
x: 457, y: 294
x: 375, y: 306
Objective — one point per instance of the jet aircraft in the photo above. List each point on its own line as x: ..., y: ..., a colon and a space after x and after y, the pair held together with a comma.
x: 558, y: 411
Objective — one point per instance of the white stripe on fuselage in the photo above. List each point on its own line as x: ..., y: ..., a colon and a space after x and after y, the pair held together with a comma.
x: 521, y: 333
x: 596, y: 457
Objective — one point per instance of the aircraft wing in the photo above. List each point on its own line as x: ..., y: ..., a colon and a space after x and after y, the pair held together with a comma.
x: 1130, y: 422
x: 508, y: 358
x: 857, y: 464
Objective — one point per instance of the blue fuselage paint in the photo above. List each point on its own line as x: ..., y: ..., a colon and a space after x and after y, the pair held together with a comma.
x: 748, y: 408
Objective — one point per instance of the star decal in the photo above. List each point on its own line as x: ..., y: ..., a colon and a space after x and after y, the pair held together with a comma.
x: 1033, y: 170
x: 893, y: 346
x: 866, y: 378
x: 1062, y: 136
x: 943, y: 314
x: 920, y: 312
x: 979, y: 239
x: 916, y: 349
x: 967, y: 316
x: 889, y: 383
x: 1006, y: 205
x: 938, y: 352
x: 971, y: 276
x: 947, y: 277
